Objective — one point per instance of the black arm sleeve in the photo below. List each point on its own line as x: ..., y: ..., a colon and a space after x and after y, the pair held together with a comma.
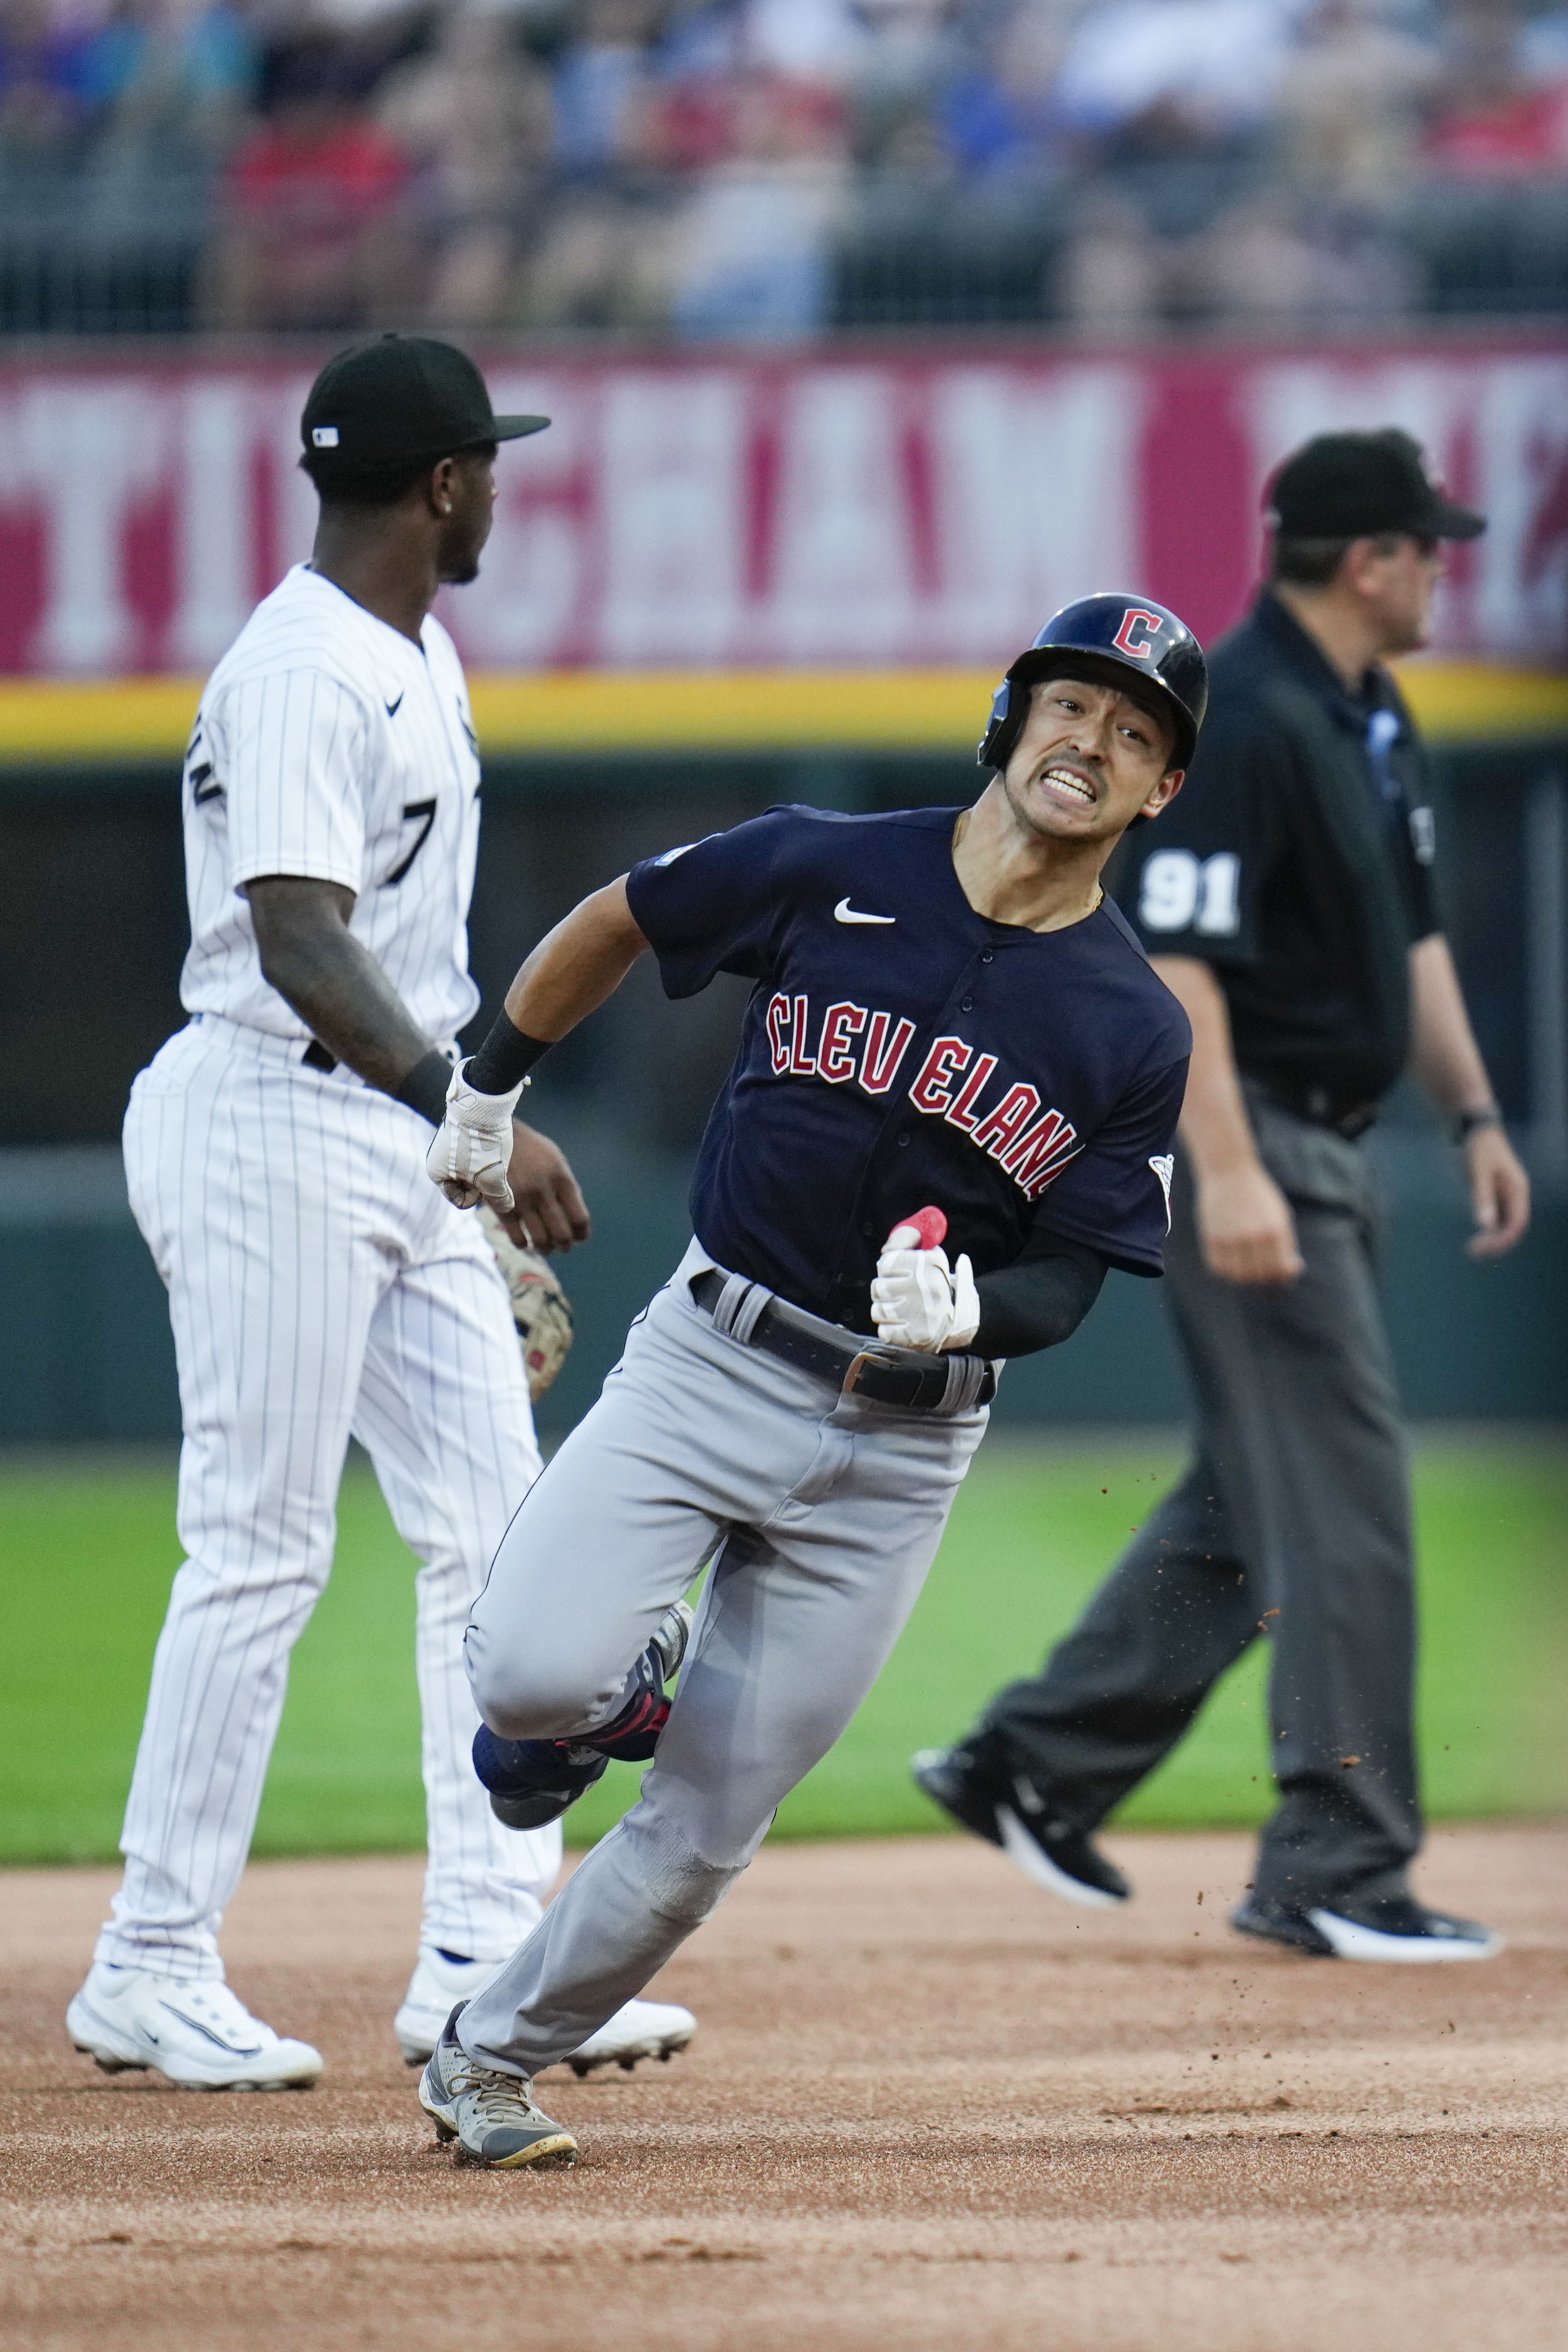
x: 1038, y: 1302
x: 507, y: 1055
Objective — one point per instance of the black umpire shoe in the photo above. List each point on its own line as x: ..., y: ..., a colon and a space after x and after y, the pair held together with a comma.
x: 1377, y: 1927
x: 972, y: 1783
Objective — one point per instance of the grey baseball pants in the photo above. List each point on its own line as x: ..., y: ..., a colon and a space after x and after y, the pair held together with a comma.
x: 821, y: 1516
x: 1294, y: 1519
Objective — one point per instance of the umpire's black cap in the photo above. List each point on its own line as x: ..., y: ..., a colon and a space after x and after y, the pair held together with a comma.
x: 400, y: 398
x: 1360, y: 485
x: 1126, y: 641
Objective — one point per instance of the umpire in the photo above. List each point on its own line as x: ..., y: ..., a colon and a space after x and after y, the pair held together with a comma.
x: 1287, y: 900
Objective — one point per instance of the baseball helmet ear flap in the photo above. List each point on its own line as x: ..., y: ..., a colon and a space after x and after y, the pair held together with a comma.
x: 1002, y: 729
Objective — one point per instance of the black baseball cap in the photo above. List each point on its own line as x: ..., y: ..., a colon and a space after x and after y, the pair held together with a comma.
x: 400, y: 398
x: 1359, y: 485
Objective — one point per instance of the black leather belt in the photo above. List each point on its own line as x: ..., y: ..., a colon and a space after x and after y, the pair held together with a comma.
x: 860, y: 1367
x: 1321, y: 1108
x: 316, y: 1057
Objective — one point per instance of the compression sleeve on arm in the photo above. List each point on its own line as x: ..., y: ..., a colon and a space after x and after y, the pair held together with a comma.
x: 425, y: 1087
x: 505, y: 1058
x: 1038, y: 1302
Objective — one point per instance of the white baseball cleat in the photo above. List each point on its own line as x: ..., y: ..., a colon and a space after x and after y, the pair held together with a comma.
x: 194, y: 2030
x: 643, y: 2029
x: 438, y: 1985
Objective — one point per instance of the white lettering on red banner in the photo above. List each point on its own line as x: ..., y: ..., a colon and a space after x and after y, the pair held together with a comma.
x: 693, y: 513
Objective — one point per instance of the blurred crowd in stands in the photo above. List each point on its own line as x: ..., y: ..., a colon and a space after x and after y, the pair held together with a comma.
x: 771, y: 168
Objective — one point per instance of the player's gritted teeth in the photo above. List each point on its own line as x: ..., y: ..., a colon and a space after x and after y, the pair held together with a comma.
x: 1071, y: 787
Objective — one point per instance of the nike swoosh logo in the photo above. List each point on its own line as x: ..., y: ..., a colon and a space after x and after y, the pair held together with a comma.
x: 845, y: 913
x: 394, y: 708
x: 238, y: 2049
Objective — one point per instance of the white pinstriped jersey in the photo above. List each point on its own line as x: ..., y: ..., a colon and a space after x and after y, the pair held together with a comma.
x: 329, y: 745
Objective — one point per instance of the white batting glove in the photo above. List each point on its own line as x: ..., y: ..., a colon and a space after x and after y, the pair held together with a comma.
x: 917, y: 1301
x: 472, y: 1150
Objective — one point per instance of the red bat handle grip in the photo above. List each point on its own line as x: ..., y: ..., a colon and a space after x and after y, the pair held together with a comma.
x: 927, y: 1230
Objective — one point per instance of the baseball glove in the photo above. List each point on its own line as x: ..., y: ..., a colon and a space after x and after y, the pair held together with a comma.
x: 540, y: 1307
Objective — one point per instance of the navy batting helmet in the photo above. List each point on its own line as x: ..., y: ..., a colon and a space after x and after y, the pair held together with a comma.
x: 1116, y: 639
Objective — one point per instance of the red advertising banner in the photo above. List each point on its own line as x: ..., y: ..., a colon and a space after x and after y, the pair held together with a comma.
x: 694, y: 512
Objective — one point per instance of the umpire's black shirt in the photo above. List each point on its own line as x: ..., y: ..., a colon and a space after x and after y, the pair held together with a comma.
x: 1296, y: 860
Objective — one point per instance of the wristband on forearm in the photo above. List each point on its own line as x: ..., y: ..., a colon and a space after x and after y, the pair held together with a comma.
x: 425, y: 1087
x: 1468, y: 1121
x: 505, y: 1058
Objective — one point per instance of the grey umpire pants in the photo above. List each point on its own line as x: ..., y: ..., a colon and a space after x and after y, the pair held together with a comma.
x: 1294, y: 1520
x: 821, y: 1516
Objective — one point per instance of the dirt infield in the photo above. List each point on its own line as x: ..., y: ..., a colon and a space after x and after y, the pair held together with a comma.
x: 926, y: 2107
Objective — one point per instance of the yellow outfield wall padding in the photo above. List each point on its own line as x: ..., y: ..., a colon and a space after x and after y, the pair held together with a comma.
x: 747, y: 709
x: 45, y: 720
x: 107, y: 719
x: 1475, y: 702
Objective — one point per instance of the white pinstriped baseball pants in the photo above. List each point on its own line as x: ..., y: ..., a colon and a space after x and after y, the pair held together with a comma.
x: 318, y: 1285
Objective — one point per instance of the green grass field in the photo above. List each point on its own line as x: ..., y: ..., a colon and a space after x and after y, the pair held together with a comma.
x: 87, y: 1546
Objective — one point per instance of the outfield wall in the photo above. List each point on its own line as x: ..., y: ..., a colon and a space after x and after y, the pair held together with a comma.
x: 86, y: 1353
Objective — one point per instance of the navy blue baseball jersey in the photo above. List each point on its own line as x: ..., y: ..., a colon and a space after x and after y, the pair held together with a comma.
x: 900, y: 1049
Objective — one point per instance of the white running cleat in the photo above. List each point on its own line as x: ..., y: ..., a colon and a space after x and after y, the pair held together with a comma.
x: 643, y: 2029
x: 435, y: 1989
x: 194, y: 2030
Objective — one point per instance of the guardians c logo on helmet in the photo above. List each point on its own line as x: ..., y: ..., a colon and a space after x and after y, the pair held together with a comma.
x: 1114, y: 639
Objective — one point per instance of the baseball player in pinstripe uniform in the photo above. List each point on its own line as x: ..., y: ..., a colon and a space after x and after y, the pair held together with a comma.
x: 319, y: 1284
